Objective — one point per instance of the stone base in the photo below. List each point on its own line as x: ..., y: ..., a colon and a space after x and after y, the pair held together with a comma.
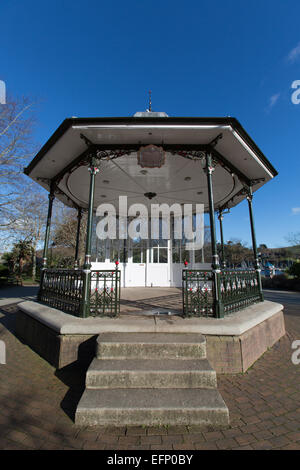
x: 59, y: 350
x: 233, y: 343
x: 235, y: 354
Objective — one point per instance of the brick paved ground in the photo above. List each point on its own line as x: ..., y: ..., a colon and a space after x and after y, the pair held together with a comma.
x: 37, y: 404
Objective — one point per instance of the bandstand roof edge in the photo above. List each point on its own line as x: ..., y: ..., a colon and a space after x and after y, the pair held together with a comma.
x: 238, y: 159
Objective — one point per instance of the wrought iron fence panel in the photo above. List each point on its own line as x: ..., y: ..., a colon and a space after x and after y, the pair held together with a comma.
x: 105, y: 293
x: 62, y: 289
x: 197, y: 293
x: 239, y: 288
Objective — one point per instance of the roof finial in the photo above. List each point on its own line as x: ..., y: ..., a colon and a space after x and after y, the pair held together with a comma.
x: 150, y: 103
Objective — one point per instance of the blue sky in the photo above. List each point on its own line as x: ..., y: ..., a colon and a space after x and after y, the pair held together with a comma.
x: 199, y: 58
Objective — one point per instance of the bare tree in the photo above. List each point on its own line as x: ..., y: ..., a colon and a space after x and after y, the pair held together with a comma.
x: 16, y: 123
x: 237, y: 252
x: 293, y: 238
x: 65, y: 229
x: 29, y: 222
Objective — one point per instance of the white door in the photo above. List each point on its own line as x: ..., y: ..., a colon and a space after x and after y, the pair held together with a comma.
x: 158, y: 266
x: 136, y: 268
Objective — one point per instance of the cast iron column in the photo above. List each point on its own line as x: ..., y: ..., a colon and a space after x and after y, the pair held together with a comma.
x: 220, y: 217
x: 219, y: 309
x: 51, y: 197
x: 79, y: 215
x: 86, y: 290
x: 254, y: 246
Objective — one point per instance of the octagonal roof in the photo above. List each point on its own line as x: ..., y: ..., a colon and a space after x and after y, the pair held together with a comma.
x: 181, y: 179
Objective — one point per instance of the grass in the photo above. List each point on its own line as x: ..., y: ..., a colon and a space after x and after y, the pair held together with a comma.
x: 27, y: 280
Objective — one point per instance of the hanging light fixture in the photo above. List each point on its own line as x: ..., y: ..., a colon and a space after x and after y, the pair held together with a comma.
x: 151, y: 156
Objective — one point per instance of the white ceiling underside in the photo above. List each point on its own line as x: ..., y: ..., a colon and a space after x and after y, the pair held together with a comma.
x: 122, y: 176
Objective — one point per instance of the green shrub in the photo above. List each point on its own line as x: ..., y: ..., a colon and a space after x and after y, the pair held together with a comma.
x: 281, y: 281
x: 294, y: 270
x: 4, y: 271
x: 61, y: 261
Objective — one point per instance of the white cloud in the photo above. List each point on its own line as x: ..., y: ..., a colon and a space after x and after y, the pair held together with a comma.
x: 294, y: 54
x: 295, y: 210
x: 273, y: 100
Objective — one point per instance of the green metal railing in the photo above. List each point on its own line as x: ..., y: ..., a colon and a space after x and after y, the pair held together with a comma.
x: 63, y: 289
x: 238, y: 289
x: 197, y: 293
x: 105, y: 293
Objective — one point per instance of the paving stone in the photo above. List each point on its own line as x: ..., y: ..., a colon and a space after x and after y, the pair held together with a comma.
x: 161, y: 447
x: 151, y: 440
x: 87, y: 435
x: 206, y: 446
x: 177, y: 439
x: 157, y: 431
x: 94, y: 446
x: 293, y: 436
x: 293, y: 446
x: 110, y: 440
x: 279, y: 430
x: 279, y: 441
x: 177, y: 430
x: 249, y: 428
x: 224, y: 444
x: 134, y: 440
x: 293, y: 426
x: 247, y: 447
x: 185, y: 446
x: 262, y: 445
x: 264, y: 434
x: 136, y: 431
x: 195, y: 438
x: 232, y: 432
x: 212, y: 436
x: 245, y: 439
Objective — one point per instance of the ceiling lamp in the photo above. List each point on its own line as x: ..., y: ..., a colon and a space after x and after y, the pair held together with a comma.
x: 151, y: 156
x: 150, y: 195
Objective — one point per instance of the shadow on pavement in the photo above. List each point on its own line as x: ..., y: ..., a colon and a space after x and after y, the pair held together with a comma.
x: 7, y: 318
x: 17, y: 293
x: 73, y: 376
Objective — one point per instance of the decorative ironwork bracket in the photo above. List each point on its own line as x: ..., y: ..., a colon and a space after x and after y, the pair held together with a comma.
x: 190, y: 154
x: 256, y: 181
x: 222, y: 212
x: 87, y: 141
x: 213, y: 163
x: 44, y: 180
x: 214, y: 142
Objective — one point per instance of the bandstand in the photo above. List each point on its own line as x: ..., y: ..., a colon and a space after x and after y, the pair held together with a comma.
x: 157, y: 369
x: 150, y: 158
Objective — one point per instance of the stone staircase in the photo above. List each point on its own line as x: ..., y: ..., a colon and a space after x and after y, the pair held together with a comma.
x: 151, y: 379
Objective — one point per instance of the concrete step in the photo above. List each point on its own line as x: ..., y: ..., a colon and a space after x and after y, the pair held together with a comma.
x: 150, y: 346
x: 151, y: 407
x: 150, y: 373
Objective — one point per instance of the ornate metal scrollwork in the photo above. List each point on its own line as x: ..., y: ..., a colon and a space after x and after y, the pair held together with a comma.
x: 189, y: 154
